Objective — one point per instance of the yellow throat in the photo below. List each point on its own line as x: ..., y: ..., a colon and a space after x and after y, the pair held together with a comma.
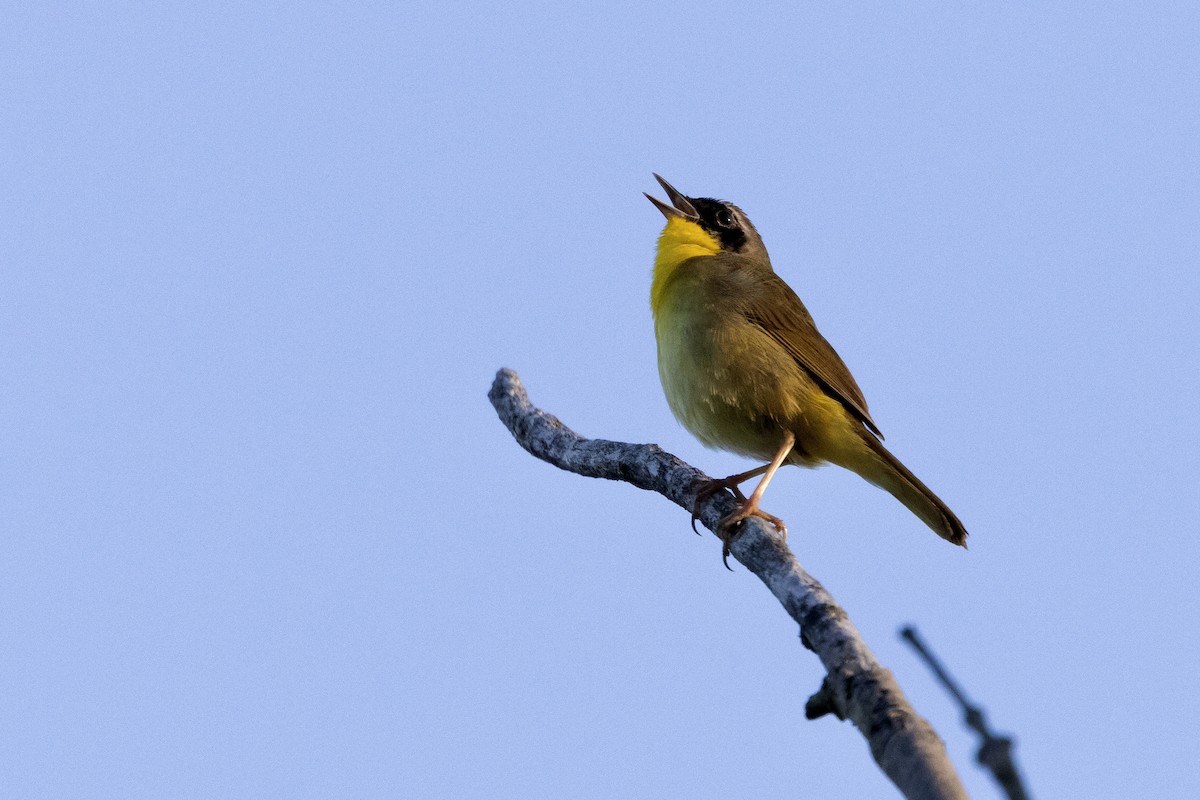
x: 680, y: 240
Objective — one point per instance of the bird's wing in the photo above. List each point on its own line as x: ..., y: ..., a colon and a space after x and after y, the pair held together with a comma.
x: 775, y: 308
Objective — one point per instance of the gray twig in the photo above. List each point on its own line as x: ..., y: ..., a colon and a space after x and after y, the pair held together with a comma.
x: 995, y: 752
x: 856, y: 686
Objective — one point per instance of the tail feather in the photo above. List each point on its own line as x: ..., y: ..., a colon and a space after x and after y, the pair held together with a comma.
x: 886, y: 471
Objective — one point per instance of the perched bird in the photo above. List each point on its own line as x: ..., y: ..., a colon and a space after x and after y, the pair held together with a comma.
x: 745, y: 369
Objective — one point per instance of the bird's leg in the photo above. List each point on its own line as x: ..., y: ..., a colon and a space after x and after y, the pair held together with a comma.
x: 706, y: 489
x: 750, y: 507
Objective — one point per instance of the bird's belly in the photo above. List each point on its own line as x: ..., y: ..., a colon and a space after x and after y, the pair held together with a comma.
x: 735, y: 388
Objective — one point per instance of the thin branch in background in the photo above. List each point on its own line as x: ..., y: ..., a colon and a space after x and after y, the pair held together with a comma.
x: 995, y: 752
x: 856, y: 686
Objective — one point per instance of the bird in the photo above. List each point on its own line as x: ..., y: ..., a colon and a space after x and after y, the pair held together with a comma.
x: 744, y: 368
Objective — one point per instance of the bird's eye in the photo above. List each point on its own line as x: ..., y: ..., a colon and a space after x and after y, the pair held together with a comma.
x: 724, y: 218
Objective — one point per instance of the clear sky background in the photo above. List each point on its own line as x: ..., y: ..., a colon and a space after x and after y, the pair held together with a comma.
x: 263, y: 535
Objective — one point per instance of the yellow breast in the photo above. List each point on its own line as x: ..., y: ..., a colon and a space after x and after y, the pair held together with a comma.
x: 680, y: 240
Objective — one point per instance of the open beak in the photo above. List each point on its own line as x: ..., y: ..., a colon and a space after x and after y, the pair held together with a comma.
x: 680, y: 206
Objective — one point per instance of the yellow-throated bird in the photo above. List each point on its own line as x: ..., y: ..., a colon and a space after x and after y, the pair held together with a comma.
x: 745, y: 369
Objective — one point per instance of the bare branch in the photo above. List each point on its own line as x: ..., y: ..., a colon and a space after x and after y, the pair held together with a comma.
x: 856, y: 686
x: 995, y: 752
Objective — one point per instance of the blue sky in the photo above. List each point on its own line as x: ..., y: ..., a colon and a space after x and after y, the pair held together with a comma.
x: 264, y: 536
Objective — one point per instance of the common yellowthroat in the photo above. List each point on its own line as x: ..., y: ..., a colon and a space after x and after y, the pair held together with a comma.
x: 745, y: 369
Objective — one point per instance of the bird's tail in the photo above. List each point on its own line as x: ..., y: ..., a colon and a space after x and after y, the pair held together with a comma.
x: 885, y: 470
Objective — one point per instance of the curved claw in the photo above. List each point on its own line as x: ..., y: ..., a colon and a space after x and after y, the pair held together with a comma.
x: 726, y: 528
x: 706, y: 489
x: 748, y: 507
